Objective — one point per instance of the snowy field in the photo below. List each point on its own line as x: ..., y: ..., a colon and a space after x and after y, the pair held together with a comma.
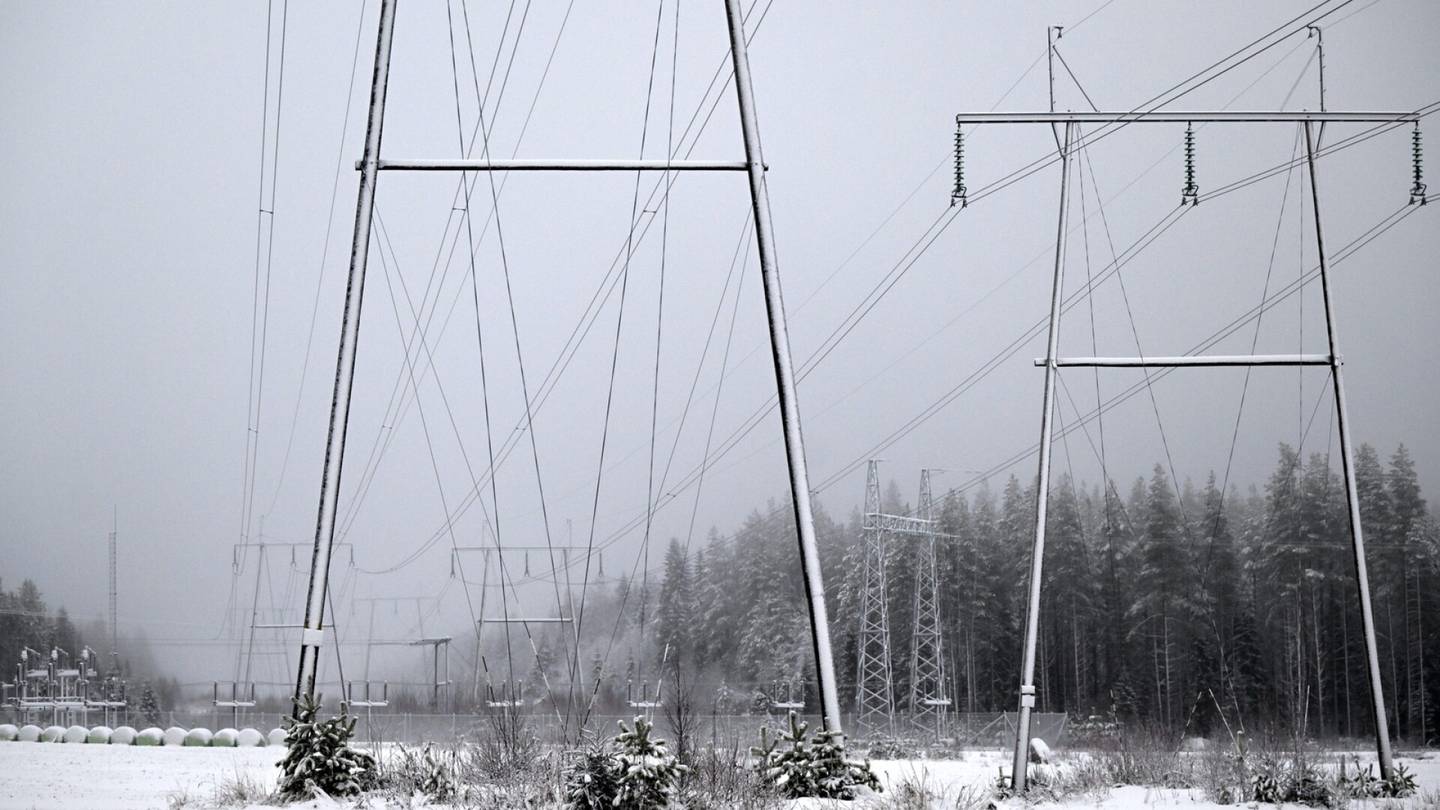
x: 124, y: 777
x: 82, y: 777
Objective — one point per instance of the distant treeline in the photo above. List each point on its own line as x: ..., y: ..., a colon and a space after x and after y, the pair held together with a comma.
x: 25, y: 621
x: 1163, y: 606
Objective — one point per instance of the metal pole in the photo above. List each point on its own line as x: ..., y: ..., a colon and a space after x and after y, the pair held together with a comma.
x: 1042, y: 493
x: 1352, y: 496
x: 312, y: 634
x: 784, y: 374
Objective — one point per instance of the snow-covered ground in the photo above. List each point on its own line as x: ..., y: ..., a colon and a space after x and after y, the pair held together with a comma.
x: 86, y: 777
x: 124, y: 777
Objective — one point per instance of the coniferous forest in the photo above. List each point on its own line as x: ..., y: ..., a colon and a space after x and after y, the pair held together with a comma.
x: 1162, y: 603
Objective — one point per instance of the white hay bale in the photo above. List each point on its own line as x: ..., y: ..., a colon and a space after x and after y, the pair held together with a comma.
x: 224, y: 738
x: 29, y: 733
x: 276, y: 736
x: 173, y: 735
x: 1039, y: 751
x: 198, y: 738
x: 249, y: 738
x: 76, y: 734
x: 1194, y: 744
x: 8, y: 732
x: 123, y: 735
x: 99, y: 735
x: 52, y: 734
x: 151, y: 736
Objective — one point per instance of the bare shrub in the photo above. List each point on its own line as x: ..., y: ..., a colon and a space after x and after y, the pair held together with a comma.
x: 720, y: 777
x: 243, y: 790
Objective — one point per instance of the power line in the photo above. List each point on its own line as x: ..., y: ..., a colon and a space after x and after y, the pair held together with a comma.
x: 264, y: 250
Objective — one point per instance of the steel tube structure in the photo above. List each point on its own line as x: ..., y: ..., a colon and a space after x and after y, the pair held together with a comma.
x: 784, y: 374
x: 1333, y: 359
x: 1200, y: 361
x: 315, y: 598
x: 1188, y: 117
x: 1352, y: 496
x: 560, y: 165
x: 754, y: 167
x: 1042, y: 489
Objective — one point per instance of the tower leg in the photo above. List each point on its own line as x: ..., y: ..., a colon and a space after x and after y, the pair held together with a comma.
x: 874, y: 685
x: 1352, y: 497
x: 928, y: 700
x: 311, y: 635
x: 784, y: 375
x: 1042, y: 486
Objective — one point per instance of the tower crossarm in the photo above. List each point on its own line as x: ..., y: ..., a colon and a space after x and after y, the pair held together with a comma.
x: 899, y: 524
x: 1190, y: 116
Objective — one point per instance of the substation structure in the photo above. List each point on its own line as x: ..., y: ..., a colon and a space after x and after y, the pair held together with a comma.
x: 510, y: 693
x: 61, y: 689
x: 1067, y: 127
x: 371, y: 694
x: 927, y: 701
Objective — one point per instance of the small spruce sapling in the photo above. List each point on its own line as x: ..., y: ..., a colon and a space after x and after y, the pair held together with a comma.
x: 816, y: 767
x: 632, y: 771
x: 648, y: 773
x: 594, y: 781
x: 319, y: 756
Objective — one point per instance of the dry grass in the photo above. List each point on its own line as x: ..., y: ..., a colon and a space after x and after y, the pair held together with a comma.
x: 241, y: 790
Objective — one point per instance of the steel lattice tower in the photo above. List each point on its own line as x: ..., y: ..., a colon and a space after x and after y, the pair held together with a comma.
x: 928, y: 700
x: 874, y: 685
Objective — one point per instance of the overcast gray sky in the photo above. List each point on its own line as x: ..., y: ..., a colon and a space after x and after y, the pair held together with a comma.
x: 128, y: 234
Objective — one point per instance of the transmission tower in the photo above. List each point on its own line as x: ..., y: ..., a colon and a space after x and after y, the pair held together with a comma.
x: 928, y: 701
x: 874, y: 685
x: 1070, y: 123
x: 874, y: 679
x: 752, y: 167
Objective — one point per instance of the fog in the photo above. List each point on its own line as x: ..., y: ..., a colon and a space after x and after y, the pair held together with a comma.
x: 128, y: 211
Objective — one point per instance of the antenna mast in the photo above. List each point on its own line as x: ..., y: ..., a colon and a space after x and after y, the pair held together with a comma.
x: 114, y: 589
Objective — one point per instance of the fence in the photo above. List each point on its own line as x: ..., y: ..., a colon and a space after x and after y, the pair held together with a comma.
x: 967, y: 729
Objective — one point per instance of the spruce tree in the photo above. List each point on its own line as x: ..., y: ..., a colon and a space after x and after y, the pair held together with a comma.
x: 674, y: 611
